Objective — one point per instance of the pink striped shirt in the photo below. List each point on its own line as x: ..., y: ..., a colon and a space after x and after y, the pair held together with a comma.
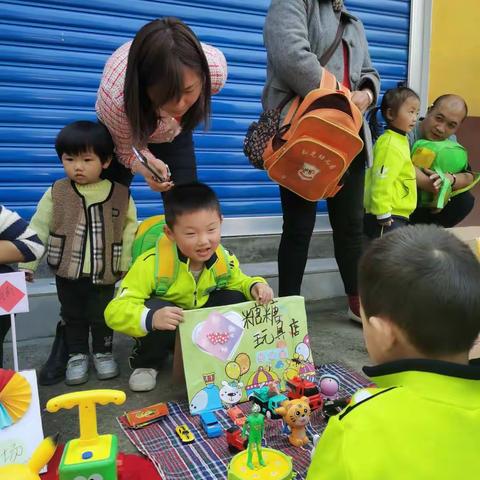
x: 111, y: 109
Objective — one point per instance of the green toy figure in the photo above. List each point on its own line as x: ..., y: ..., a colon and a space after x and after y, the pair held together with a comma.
x: 255, y: 424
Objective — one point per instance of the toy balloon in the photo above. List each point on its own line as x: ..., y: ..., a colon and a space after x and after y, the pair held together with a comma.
x: 232, y: 370
x: 303, y: 350
x: 244, y: 361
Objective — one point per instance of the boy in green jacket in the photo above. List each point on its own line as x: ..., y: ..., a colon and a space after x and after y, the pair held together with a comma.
x: 390, y: 187
x: 420, y: 310
x: 188, y: 269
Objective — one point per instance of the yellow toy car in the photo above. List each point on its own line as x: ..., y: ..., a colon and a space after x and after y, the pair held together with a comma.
x: 186, y: 436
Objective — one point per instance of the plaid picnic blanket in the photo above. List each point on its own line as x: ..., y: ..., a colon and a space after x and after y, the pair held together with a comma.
x: 207, y: 459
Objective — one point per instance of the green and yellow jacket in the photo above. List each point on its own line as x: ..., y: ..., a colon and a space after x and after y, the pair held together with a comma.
x: 127, y: 313
x: 422, y: 422
x: 390, y: 184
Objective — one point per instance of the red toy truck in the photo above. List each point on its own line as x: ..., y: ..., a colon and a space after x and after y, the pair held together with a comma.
x: 236, y: 443
x: 299, y: 387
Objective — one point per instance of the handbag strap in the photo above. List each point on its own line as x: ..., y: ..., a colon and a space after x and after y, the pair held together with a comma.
x: 328, y: 79
x: 327, y: 54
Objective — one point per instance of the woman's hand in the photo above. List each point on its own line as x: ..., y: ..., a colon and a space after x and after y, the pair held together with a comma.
x: 157, y: 165
x: 361, y: 99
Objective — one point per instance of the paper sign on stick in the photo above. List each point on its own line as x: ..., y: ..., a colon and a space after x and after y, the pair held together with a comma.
x: 13, y: 293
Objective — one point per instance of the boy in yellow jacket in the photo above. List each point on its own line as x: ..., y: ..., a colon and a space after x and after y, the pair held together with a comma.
x: 202, y: 274
x: 420, y: 310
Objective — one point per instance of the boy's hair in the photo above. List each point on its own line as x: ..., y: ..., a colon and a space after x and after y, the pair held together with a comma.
x: 85, y: 136
x: 392, y: 99
x: 189, y: 198
x: 426, y: 281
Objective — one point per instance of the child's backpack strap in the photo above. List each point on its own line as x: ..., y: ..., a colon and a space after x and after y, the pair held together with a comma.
x: 167, y: 265
x: 221, y: 268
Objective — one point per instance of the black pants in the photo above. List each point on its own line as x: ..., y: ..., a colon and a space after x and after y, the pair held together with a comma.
x: 82, y: 306
x: 4, y: 328
x: 345, y: 212
x: 454, y: 212
x: 373, y: 229
x: 152, y: 350
x: 179, y: 155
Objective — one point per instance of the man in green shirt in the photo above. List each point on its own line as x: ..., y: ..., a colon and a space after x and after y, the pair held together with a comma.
x: 442, y: 121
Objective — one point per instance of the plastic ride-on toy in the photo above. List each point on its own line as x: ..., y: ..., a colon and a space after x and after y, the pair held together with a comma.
x: 90, y: 456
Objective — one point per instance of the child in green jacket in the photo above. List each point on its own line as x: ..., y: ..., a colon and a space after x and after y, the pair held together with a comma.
x: 420, y: 311
x: 204, y: 274
x: 390, y: 186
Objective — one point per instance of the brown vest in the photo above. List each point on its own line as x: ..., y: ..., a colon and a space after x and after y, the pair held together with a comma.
x: 105, y: 222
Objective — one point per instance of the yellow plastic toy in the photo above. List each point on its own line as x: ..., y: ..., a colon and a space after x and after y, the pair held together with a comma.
x: 41, y: 456
x: 91, y: 455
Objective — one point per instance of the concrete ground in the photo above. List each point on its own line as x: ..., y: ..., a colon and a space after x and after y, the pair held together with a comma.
x: 333, y: 338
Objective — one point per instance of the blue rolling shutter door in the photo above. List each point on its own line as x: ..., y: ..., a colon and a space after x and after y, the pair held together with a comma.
x: 53, y: 55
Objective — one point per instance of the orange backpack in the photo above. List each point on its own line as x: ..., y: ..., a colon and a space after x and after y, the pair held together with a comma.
x: 317, y: 141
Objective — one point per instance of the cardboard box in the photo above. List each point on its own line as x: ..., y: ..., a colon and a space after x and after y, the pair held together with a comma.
x: 471, y: 236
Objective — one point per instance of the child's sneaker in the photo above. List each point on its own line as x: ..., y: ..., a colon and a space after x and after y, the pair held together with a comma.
x: 77, y: 369
x: 143, y: 379
x: 105, y: 365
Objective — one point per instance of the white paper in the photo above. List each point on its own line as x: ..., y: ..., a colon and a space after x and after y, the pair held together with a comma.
x: 19, y: 441
x: 12, y: 287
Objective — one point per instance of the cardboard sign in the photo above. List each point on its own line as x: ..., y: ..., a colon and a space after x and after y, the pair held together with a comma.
x: 13, y: 293
x: 19, y: 440
x: 230, y: 351
x: 471, y: 236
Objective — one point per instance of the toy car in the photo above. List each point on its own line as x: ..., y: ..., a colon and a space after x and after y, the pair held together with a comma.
x: 235, y: 441
x: 145, y: 416
x: 299, y: 387
x: 237, y: 416
x: 210, y: 424
x: 268, y: 402
x: 186, y: 436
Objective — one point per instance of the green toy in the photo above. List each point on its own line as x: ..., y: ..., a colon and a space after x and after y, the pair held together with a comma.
x: 272, y: 463
x: 91, y: 456
x: 255, y: 425
x: 445, y: 156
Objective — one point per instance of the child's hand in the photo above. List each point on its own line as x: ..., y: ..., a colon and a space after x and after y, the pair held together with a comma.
x: 29, y: 275
x: 262, y: 293
x: 167, y: 318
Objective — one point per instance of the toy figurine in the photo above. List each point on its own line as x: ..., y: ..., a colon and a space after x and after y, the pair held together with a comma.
x: 296, y: 413
x: 254, y: 426
x: 329, y: 386
x: 41, y: 456
x: 91, y: 455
